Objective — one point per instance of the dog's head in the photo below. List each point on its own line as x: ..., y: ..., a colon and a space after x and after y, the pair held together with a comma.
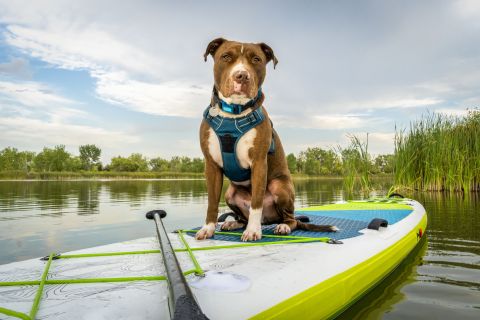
x: 239, y: 68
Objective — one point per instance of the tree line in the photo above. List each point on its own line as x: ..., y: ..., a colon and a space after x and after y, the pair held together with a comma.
x: 321, y: 162
x: 313, y: 161
x: 57, y: 159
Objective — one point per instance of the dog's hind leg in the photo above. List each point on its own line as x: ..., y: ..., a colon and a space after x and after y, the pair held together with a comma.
x: 236, y: 200
x: 232, y: 225
x: 283, y: 201
x: 287, y: 225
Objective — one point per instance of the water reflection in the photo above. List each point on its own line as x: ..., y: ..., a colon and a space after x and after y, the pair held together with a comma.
x: 389, y: 292
x: 441, y: 280
x: 88, y: 198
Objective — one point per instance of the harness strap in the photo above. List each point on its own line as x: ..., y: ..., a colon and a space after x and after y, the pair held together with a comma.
x: 229, y: 131
x: 228, y: 142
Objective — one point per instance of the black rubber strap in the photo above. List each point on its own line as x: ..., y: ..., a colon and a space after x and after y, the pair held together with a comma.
x: 376, y: 223
x: 396, y: 195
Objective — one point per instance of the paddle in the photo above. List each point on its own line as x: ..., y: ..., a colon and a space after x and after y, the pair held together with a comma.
x: 182, y: 303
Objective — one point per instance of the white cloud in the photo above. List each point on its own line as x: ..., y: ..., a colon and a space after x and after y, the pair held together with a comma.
x: 18, y: 130
x: 378, y: 142
x: 326, y: 121
x: 16, y: 68
x: 81, y: 47
x: 116, y: 65
x: 363, y: 69
x: 338, y: 121
x: 31, y: 94
x: 381, y: 142
x: 31, y: 98
x: 468, y: 9
x: 379, y: 103
x: 168, y: 99
x: 452, y: 111
x: 34, y: 115
x: 400, y: 103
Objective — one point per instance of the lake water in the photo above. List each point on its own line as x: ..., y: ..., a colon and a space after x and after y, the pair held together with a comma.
x: 441, y: 280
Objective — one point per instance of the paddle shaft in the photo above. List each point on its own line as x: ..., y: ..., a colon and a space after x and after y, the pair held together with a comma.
x: 182, y: 303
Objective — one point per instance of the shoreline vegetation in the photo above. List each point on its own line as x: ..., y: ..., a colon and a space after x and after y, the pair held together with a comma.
x: 58, y: 164
x: 438, y: 153
x: 107, y: 175
x: 96, y: 175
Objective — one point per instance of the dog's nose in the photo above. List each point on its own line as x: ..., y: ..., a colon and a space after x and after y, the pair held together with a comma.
x: 241, y: 76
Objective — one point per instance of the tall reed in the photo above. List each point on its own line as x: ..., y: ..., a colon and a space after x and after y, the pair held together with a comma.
x: 357, y: 165
x: 439, y: 153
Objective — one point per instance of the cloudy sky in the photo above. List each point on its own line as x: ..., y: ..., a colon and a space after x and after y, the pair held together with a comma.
x: 129, y: 76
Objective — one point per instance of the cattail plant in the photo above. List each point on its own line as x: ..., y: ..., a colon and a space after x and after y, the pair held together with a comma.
x: 439, y: 153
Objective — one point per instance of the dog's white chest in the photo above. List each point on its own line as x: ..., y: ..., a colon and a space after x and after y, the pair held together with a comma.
x: 242, y: 148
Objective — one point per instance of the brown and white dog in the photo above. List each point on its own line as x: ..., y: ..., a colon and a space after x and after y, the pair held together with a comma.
x: 268, y: 197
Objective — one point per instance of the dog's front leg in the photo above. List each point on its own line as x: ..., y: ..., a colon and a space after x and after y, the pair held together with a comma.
x: 259, y: 182
x: 214, y: 179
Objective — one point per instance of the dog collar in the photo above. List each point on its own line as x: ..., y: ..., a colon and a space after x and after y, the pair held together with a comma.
x: 237, y: 108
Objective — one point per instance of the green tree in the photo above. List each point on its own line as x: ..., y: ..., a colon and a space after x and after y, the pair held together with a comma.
x: 119, y: 163
x: 139, y: 162
x: 185, y: 164
x: 159, y: 164
x: 74, y: 164
x: 292, y: 163
x: 175, y: 164
x: 89, y: 155
x: 198, y: 165
x: 55, y: 159
x: 384, y: 163
x: 317, y: 161
x: 12, y: 159
x: 8, y: 158
x: 136, y: 162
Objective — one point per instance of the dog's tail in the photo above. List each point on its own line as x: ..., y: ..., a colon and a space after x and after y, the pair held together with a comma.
x: 315, y: 227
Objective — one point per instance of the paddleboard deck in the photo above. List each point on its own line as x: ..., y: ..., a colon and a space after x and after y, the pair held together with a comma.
x: 305, y: 274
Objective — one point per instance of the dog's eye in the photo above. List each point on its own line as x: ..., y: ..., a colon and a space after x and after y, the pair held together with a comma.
x: 256, y: 59
x: 226, y: 57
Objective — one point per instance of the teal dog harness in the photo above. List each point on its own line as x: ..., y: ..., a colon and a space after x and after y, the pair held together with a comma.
x: 229, y: 131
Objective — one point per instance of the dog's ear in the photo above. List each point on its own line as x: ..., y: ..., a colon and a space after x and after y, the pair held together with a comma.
x: 269, y: 53
x: 213, y: 46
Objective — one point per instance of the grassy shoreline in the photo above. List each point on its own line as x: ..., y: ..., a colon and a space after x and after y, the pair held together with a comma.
x: 440, y: 153
x: 96, y: 175
x: 110, y: 175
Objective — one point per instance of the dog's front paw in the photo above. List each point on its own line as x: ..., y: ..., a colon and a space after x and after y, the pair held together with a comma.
x: 206, y: 232
x: 282, y: 228
x: 252, y: 233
